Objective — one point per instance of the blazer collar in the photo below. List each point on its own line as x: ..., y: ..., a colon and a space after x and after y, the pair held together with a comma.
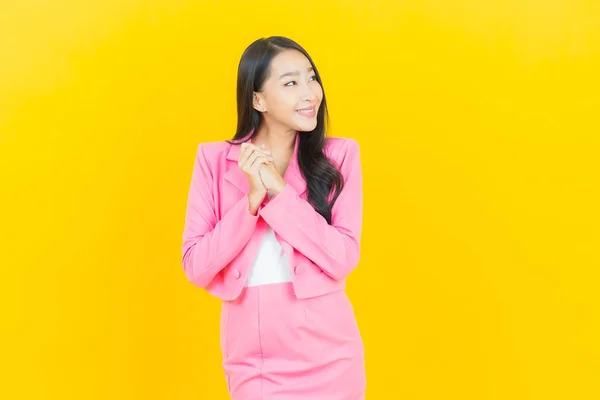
x: 236, y: 176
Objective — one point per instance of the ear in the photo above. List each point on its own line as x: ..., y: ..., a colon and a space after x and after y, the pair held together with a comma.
x: 258, y: 102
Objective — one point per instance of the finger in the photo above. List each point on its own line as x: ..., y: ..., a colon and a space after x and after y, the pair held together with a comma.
x: 252, y: 159
x: 264, y: 148
x: 252, y: 156
x: 259, y: 153
x: 261, y: 148
x: 257, y: 163
x: 245, y: 152
x: 247, y: 149
x: 255, y: 166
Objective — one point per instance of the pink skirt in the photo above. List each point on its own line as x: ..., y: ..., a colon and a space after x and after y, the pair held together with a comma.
x: 278, y: 347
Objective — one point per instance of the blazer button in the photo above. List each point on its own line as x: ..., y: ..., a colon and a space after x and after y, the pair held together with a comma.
x: 236, y: 274
x: 297, y: 269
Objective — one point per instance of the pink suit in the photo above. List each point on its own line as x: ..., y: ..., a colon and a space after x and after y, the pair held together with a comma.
x: 290, y: 340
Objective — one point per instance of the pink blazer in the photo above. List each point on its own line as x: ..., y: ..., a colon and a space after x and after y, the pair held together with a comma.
x: 221, y: 238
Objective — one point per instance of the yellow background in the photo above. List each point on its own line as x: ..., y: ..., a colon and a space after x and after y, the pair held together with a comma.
x: 478, y: 124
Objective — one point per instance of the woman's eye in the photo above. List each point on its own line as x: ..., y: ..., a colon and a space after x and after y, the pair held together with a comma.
x: 314, y: 77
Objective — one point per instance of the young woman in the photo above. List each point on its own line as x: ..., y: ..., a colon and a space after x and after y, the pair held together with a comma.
x: 273, y: 225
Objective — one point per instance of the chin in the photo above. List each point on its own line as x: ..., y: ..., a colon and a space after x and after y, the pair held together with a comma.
x: 306, y: 127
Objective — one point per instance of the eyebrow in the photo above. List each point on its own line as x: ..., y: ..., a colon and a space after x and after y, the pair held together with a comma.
x: 294, y: 73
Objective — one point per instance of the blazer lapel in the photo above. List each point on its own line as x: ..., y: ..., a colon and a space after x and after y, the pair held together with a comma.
x: 234, y: 174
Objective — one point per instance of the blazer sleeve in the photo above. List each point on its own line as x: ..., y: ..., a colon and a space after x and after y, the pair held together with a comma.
x: 334, y: 248
x: 209, y: 245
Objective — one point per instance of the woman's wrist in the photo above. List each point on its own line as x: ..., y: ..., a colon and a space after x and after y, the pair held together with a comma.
x: 278, y: 187
x: 254, y: 201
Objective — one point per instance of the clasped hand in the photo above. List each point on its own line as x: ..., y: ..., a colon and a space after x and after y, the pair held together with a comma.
x: 259, y: 167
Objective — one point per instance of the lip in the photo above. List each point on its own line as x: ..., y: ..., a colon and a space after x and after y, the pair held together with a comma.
x: 309, y: 112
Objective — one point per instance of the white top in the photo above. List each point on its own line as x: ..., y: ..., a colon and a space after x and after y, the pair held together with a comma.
x: 271, y: 264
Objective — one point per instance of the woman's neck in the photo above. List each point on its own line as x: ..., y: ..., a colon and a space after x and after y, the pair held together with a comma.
x: 279, y: 142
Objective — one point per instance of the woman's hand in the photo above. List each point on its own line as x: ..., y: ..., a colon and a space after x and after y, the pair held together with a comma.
x: 271, y: 178
x: 250, y: 160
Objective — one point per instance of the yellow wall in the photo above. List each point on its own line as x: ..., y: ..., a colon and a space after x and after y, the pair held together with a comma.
x: 479, y: 137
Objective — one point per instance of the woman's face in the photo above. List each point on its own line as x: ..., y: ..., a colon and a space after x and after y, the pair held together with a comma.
x: 291, y: 95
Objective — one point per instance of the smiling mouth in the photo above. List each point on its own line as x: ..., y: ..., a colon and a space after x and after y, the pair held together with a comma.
x: 307, y: 112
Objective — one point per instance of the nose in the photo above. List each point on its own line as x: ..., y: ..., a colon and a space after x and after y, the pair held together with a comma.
x: 308, y: 94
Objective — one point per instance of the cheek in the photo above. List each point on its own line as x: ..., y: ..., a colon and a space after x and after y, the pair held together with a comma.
x: 282, y: 107
x: 318, y: 91
x: 283, y: 102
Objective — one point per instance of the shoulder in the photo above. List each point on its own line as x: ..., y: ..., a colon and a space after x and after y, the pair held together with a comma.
x: 213, y: 151
x: 340, y: 148
x: 209, y: 148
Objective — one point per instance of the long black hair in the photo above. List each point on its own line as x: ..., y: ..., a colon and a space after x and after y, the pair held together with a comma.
x: 324, y: 181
